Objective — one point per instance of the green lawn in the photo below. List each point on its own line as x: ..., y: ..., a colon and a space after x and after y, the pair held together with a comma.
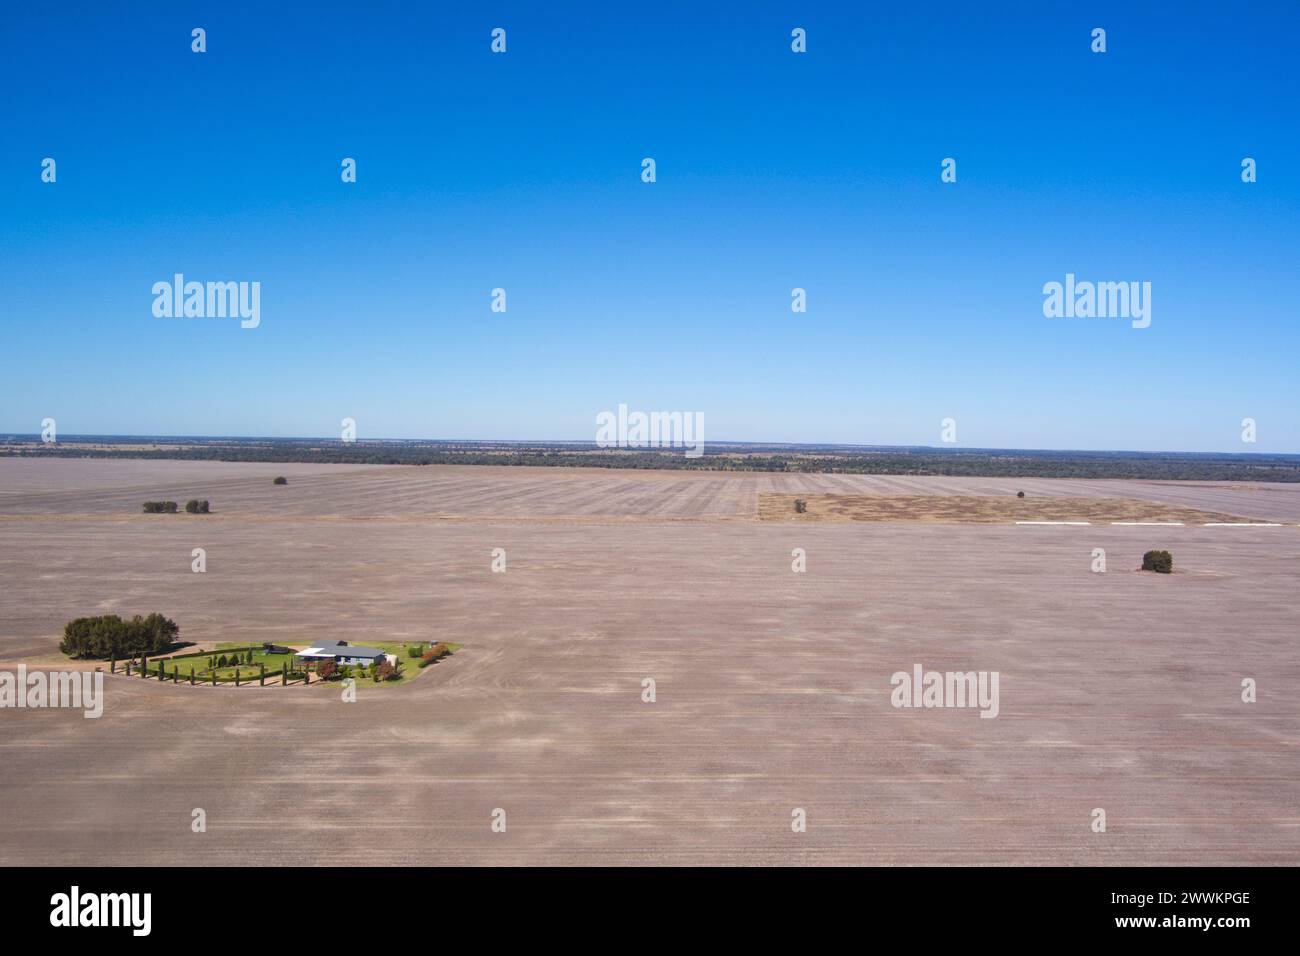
x: 408, y: 667
x: 200, y: 664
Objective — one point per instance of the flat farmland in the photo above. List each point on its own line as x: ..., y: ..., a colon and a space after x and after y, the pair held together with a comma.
x: 1119, y: 690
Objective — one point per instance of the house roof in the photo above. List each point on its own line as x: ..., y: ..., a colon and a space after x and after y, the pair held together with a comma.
x: 339, y: 649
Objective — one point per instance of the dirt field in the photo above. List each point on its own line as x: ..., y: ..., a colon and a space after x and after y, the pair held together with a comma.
x: 1119, y: 690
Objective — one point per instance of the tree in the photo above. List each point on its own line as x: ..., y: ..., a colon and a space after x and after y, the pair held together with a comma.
x: 160, y: 632
x: 325, y: 670
x: 414, y: 650
x: 385, y: 671
x: 1162, y: 562
x: 280, y: 480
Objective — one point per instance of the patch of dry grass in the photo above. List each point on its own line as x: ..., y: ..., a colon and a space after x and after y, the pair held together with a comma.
x: 974, y: 509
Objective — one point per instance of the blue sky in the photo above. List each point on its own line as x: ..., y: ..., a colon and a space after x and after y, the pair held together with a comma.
x: 775, y: 170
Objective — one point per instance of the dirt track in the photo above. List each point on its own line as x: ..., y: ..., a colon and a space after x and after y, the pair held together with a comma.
x: 1118, y: 690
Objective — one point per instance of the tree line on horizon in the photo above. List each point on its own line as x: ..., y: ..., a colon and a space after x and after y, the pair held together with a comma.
x: 973, y: 463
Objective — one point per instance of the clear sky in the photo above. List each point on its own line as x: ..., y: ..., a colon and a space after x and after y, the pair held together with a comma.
x: 775, y: 170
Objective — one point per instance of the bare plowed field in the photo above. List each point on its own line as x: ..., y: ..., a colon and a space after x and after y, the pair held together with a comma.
x: 1119, y: 690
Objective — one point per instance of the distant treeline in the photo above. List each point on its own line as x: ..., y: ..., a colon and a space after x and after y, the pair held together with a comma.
x: 992, y: 463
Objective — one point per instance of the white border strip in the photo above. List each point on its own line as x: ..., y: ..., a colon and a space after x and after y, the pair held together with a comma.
x: 1073, y: 523
x: 1242, y: 524
x: 1149, y: 524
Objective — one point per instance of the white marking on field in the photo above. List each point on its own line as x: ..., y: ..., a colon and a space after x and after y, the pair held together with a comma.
x: 1242, y: 524
x: 1149, y: 524
x: 1072, y: 523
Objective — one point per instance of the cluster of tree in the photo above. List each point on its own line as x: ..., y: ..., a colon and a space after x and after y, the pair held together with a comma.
x: 436, y: 652
x: 194, y: 506
x: 232, y: 659
x: 110, y: 637
x: 1161, y: 562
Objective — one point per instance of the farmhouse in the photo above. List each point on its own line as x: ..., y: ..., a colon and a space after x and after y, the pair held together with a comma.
x: 341, y: 652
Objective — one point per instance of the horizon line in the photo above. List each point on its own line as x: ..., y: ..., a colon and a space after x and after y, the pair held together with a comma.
x: 81, y: 438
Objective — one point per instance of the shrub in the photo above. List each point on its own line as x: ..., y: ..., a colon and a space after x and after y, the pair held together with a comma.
x: 414, y: 650
x: 385, y: 671
x: 280, y: 480
x: 800, y: 506
x: 221, y: 661
x: 326, y: 670
x: 1020, y: 494
x: 196, y: 507
x: 159, y: 507
x: 1161, y: 562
